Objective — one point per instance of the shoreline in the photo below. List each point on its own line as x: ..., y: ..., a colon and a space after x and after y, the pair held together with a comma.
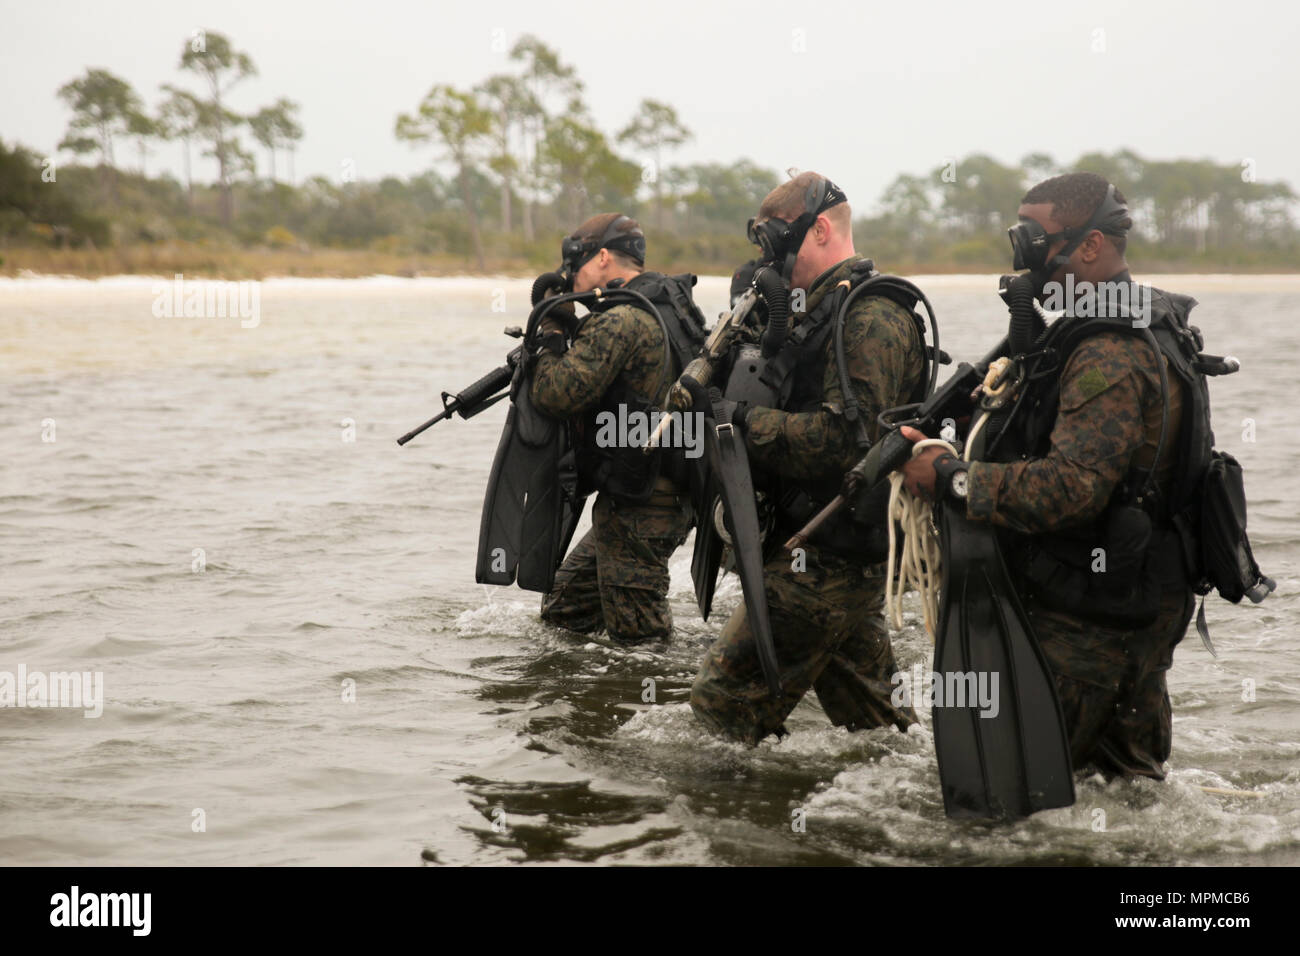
x: 28, y: 280
x: 194, y: 261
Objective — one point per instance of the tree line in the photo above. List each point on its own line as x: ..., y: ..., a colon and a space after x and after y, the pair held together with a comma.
x: 1183, y: 209
x: 517, y: 160
x: 106, y: 108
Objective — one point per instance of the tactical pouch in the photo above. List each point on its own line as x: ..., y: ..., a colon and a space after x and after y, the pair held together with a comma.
x: 627, y: 475
x: 624, y: 472
x: 1126, y: 594
x: 1227, y: 563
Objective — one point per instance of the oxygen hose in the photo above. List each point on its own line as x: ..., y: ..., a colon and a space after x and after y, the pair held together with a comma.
x: 1026, y: 324
x: 544, y: 283
x: 1026, y: 327
x: 777, y: 296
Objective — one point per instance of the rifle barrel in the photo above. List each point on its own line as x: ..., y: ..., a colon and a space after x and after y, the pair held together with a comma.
x: 445, y: 413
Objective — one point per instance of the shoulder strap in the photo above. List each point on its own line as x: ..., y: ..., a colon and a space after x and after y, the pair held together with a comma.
x: 1172, y: 339
x: 681, y: 318
x: 865, y: 280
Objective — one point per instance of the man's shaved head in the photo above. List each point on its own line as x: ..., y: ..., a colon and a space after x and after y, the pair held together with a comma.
x: 1074, y: 197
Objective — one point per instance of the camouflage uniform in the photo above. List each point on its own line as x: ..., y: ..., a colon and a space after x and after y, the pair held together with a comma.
x: 827, y: 626
x: 616, y: 577
x: 1111, y: 681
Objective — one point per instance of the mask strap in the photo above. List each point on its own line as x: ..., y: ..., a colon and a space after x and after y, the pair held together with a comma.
x: 607, y: 240
x: 821, y: 196
x: 1104, y: 208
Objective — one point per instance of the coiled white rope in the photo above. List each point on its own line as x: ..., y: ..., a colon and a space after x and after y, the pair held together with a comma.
x: 919, y: 564
x: 918, y: 567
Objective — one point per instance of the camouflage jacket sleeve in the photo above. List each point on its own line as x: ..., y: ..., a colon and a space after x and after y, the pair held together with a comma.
x: 622, y: 338
x: 884, y: 356
x: 1099, y: 428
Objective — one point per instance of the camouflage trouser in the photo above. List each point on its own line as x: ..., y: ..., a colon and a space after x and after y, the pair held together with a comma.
x: 616, y: 577
x: 829, y: 636
x: 1111, y: 683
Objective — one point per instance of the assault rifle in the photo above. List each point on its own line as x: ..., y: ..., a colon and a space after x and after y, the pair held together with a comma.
x: 954, y: 400
x: 701, y: 367
x: 481, y: 395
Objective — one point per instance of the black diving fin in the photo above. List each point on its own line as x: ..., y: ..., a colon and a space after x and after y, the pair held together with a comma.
x: 1012, y: 757
x: 706, y: 557
x: 532, y: 505
x: 730, y: 465
x: 530, y: 508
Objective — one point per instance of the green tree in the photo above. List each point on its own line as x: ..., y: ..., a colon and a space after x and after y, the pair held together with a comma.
x: 548, y: 78
x: 576, y: 157
x: 907, y: 222
x: 1037, y: 167
x: 984, y: 195
x: 455, y: 121
x: 102, y: 107
x: 720, y: 196
x: 32, y: 208
x: 511, y: 103
x: 262, y: 125
x: 276, y: 127
x: 1126, y: 170
x: 654, y: 127
x: 144, y: 128
x: 910, y: 199
x: 288, y: 131
x: 178, y: 118
x: 211, y: 56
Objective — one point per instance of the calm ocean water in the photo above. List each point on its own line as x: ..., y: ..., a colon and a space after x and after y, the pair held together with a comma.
x: 299, y: 668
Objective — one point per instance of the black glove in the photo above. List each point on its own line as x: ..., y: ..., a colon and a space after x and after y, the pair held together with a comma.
x: 561, y: 317
x: 554, y: 341
x: 707, y: 400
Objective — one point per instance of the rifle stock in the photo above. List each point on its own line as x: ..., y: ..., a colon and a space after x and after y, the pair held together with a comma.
x: 701, y: 368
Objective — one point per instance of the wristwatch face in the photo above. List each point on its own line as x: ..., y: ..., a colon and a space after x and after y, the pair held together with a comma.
x: 959, y: 480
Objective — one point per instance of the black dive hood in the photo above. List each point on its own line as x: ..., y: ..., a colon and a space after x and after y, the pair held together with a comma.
x: 780, y: 240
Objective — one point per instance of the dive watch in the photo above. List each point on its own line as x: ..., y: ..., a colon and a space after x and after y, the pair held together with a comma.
x: 952, y: 476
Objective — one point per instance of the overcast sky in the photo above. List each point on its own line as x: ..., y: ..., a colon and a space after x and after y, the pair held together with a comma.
x: 858, y: 91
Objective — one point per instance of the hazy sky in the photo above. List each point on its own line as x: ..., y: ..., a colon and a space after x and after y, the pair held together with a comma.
x: 857, y: 91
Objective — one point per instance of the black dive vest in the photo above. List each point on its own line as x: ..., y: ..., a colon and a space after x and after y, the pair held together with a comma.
x: 627, y: 473
x: 1138, y: 533
x: 795, y: 378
